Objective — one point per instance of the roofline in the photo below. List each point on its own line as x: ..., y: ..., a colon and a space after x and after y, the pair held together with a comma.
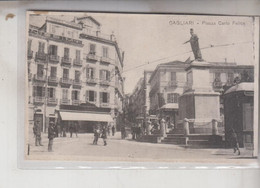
x: 93, y: 19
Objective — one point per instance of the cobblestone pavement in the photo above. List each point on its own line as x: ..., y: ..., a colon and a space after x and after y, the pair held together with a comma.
x: 81, y: 148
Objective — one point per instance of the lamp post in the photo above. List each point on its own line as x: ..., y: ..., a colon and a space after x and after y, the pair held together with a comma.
x: 46, y: 88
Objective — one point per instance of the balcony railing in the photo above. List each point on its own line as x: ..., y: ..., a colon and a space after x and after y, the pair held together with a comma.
x: 77, y: 83
x: 104, y: 82
x: 54, y: 58
x: 76, y: 102
x: 172, y: 84
x: 52, y: 79
x: 52, y: 101
x: 91, y: 80
x: 65, y: 101
x: 66, y: 61
x: 92, y: 57
x: 29, y: 54
x: 104, y: 105
x: 106, y: 60
x: 40, y: 78
x: 77, y: 62
x: 66, y: 81
x: 38, y: 99
x: 41, y: 56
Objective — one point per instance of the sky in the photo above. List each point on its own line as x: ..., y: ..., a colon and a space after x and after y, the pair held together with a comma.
x: 147, y: 38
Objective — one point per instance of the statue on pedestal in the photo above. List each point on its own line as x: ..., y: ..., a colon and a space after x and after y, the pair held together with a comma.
x: 194, y: 42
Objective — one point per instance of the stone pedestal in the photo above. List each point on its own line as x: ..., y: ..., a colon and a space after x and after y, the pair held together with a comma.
x: 162, y: 128
x: 199, y: 103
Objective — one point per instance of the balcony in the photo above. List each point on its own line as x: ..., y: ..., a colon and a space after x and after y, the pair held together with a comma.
x: 91, y: 81
x: 39, y: 78
x: 104, y: 82
x: 92, y: 57
x: 66, y: 82
x: 52, y: 101
x: 106, y: 60
x: 52, y: 80
x: 66, y: 61
x: 29, y: 54
x: 77, y: 62
x: 64, y: 101
x: 38, y: 99
x: 172, y: 84
x: 41, y: 56
x: 54, y: 58
x: 77, y: 83
x: 76, y: 102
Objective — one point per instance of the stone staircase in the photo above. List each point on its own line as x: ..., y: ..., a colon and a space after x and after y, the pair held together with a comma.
x: 194, y: 140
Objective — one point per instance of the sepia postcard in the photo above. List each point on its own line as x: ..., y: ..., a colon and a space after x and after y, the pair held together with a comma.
x: 141, y: 87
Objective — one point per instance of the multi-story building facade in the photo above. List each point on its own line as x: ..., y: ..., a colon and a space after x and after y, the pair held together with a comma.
x: 72, y: 64
x: 167, y: 83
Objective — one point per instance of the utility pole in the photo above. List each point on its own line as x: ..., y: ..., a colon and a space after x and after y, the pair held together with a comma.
x: 46, y: 88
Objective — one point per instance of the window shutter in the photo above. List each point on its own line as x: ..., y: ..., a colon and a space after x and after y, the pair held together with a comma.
x: 101, y: 97
x: 34, y: 91
x: 49, y: 92
x: 95, y: 96
x: 108, y: 98
x: 43, y: 92
x: 100, y: 75
x: 87, y: 73
x: 87, y: 95
x: 73, y: 95
x: 54, y: 94
x: 108, y: 75
x: 78, y: 95
x: 43, y: 47
x: 94, y: 72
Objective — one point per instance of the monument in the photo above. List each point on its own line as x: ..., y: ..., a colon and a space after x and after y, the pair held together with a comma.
x: 199, y: 103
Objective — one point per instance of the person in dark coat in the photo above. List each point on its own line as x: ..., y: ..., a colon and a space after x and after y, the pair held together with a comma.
x: 37, y: 133
x: 104, y: 135
x: 234, y: 141
x: 113, y: 130
x: 51, y: 135
x: 71, y: 129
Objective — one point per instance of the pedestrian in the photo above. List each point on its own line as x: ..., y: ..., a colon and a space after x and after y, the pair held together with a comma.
x: 51, y: 135
x: 113, y: 130
x: 71, y: 129
x: 37, y: 133
x: 123, y: 132
x: 234, y: 141
x: 104, y: 135
x: 76, y: 128
x: 96, y: 135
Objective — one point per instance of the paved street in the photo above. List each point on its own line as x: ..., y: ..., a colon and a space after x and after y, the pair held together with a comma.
x: 81, y: 148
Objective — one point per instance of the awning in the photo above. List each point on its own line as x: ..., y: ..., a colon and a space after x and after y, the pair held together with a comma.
x: 85, y: 116
x: 170, y: 106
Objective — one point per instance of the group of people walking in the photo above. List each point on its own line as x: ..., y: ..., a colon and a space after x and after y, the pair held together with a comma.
x: 101, y: 131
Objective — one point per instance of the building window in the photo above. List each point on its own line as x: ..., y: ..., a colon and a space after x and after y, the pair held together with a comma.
x: 78, y: 55
x: 105, y: 51
x: 104, y: 75
x: 51, y: 92
x: 65, y: 73
x: 75, y: 95
x: 173, y: 76
x: 53, y: 50
x: 29, y: 45
x: 172, y: 98
x: 217, y: 77
x: 41, y: 47
x: 40, y: 70
x: 53, y: 72
x: 92, y: 49
x: 104, y: 97
x: 66, y: 53
x: 77, y: 76
x: 91, y: 96
x: 38, y: 91
x: 65, y: 94
x: 230, y: 77
x: 90, y: 73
